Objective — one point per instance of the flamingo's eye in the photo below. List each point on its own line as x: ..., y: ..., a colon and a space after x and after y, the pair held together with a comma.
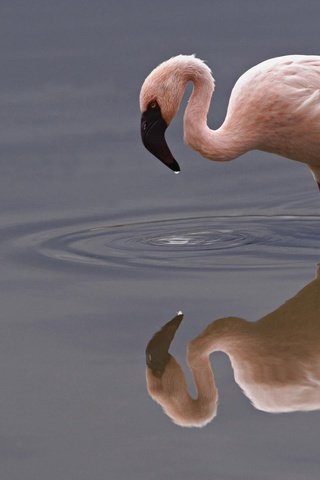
x: 153, y: 105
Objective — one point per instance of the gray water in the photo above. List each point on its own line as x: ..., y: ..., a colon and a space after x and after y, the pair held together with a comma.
x: 101, y: 244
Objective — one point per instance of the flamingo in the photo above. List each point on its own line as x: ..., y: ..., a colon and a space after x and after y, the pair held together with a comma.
x: 276, y: 361
x: 273, y: 107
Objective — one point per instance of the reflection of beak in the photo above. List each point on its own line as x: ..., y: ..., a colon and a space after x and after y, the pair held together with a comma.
x: 153, y: 128
x: 157, y: 351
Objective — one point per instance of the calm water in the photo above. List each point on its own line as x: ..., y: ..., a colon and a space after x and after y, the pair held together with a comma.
x: 101, y: 244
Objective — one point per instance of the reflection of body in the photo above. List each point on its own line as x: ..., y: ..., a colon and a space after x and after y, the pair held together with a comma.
x: 276, y: 361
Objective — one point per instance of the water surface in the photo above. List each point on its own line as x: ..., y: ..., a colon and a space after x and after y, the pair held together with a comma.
x: 100, y: 244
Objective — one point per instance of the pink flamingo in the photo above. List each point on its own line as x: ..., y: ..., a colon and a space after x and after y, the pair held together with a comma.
x: 274, y: 107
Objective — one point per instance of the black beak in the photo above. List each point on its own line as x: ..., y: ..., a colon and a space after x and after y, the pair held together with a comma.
x: 153, y: 128
x: 157, y: 351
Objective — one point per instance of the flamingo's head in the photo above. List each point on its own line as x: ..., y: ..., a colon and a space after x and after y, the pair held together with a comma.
x: 160, y: 98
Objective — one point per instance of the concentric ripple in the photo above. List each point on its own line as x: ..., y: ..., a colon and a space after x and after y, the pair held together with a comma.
x: 184, y: 243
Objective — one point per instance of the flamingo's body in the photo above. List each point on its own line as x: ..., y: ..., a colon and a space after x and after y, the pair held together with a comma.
x: 276, y: 361
x: 274, y: 107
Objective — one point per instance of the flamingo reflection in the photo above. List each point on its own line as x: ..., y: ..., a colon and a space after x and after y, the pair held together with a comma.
x: 276, y: 361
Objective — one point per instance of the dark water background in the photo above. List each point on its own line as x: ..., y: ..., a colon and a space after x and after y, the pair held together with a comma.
x: 101, y: 244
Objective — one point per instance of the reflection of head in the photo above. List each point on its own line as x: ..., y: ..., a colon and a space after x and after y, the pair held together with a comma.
x: 167, y: 385
x: 276, y: 362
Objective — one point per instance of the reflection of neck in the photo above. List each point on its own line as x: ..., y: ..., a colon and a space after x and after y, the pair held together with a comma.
x: 171, y: 392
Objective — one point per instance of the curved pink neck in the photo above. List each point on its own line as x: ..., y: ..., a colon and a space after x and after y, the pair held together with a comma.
x: 225, y: 143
